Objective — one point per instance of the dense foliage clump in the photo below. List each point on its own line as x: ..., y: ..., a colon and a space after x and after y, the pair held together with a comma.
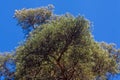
x: 63, y: 50
x: 29, y: 19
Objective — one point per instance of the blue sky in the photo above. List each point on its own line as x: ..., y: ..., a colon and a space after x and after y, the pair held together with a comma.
x: 104, y: 14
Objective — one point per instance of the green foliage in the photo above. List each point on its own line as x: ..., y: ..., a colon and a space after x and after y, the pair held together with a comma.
x: 114, y: 53
x: 30, y: 18
x: 63, y: 49
x: 6, y: 58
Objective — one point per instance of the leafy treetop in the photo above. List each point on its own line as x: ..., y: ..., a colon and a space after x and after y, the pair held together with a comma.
x: 63, y: 49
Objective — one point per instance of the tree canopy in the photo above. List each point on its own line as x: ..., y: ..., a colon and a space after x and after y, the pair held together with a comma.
x: 63, y: 49
x: 30, y: 18
x: 59, y: 48
x: 7, y: 66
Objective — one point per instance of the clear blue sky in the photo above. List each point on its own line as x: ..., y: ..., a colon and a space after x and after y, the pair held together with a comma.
x: 104, y: 14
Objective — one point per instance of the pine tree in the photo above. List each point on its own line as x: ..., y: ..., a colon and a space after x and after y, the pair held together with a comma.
x: 62, y: 49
